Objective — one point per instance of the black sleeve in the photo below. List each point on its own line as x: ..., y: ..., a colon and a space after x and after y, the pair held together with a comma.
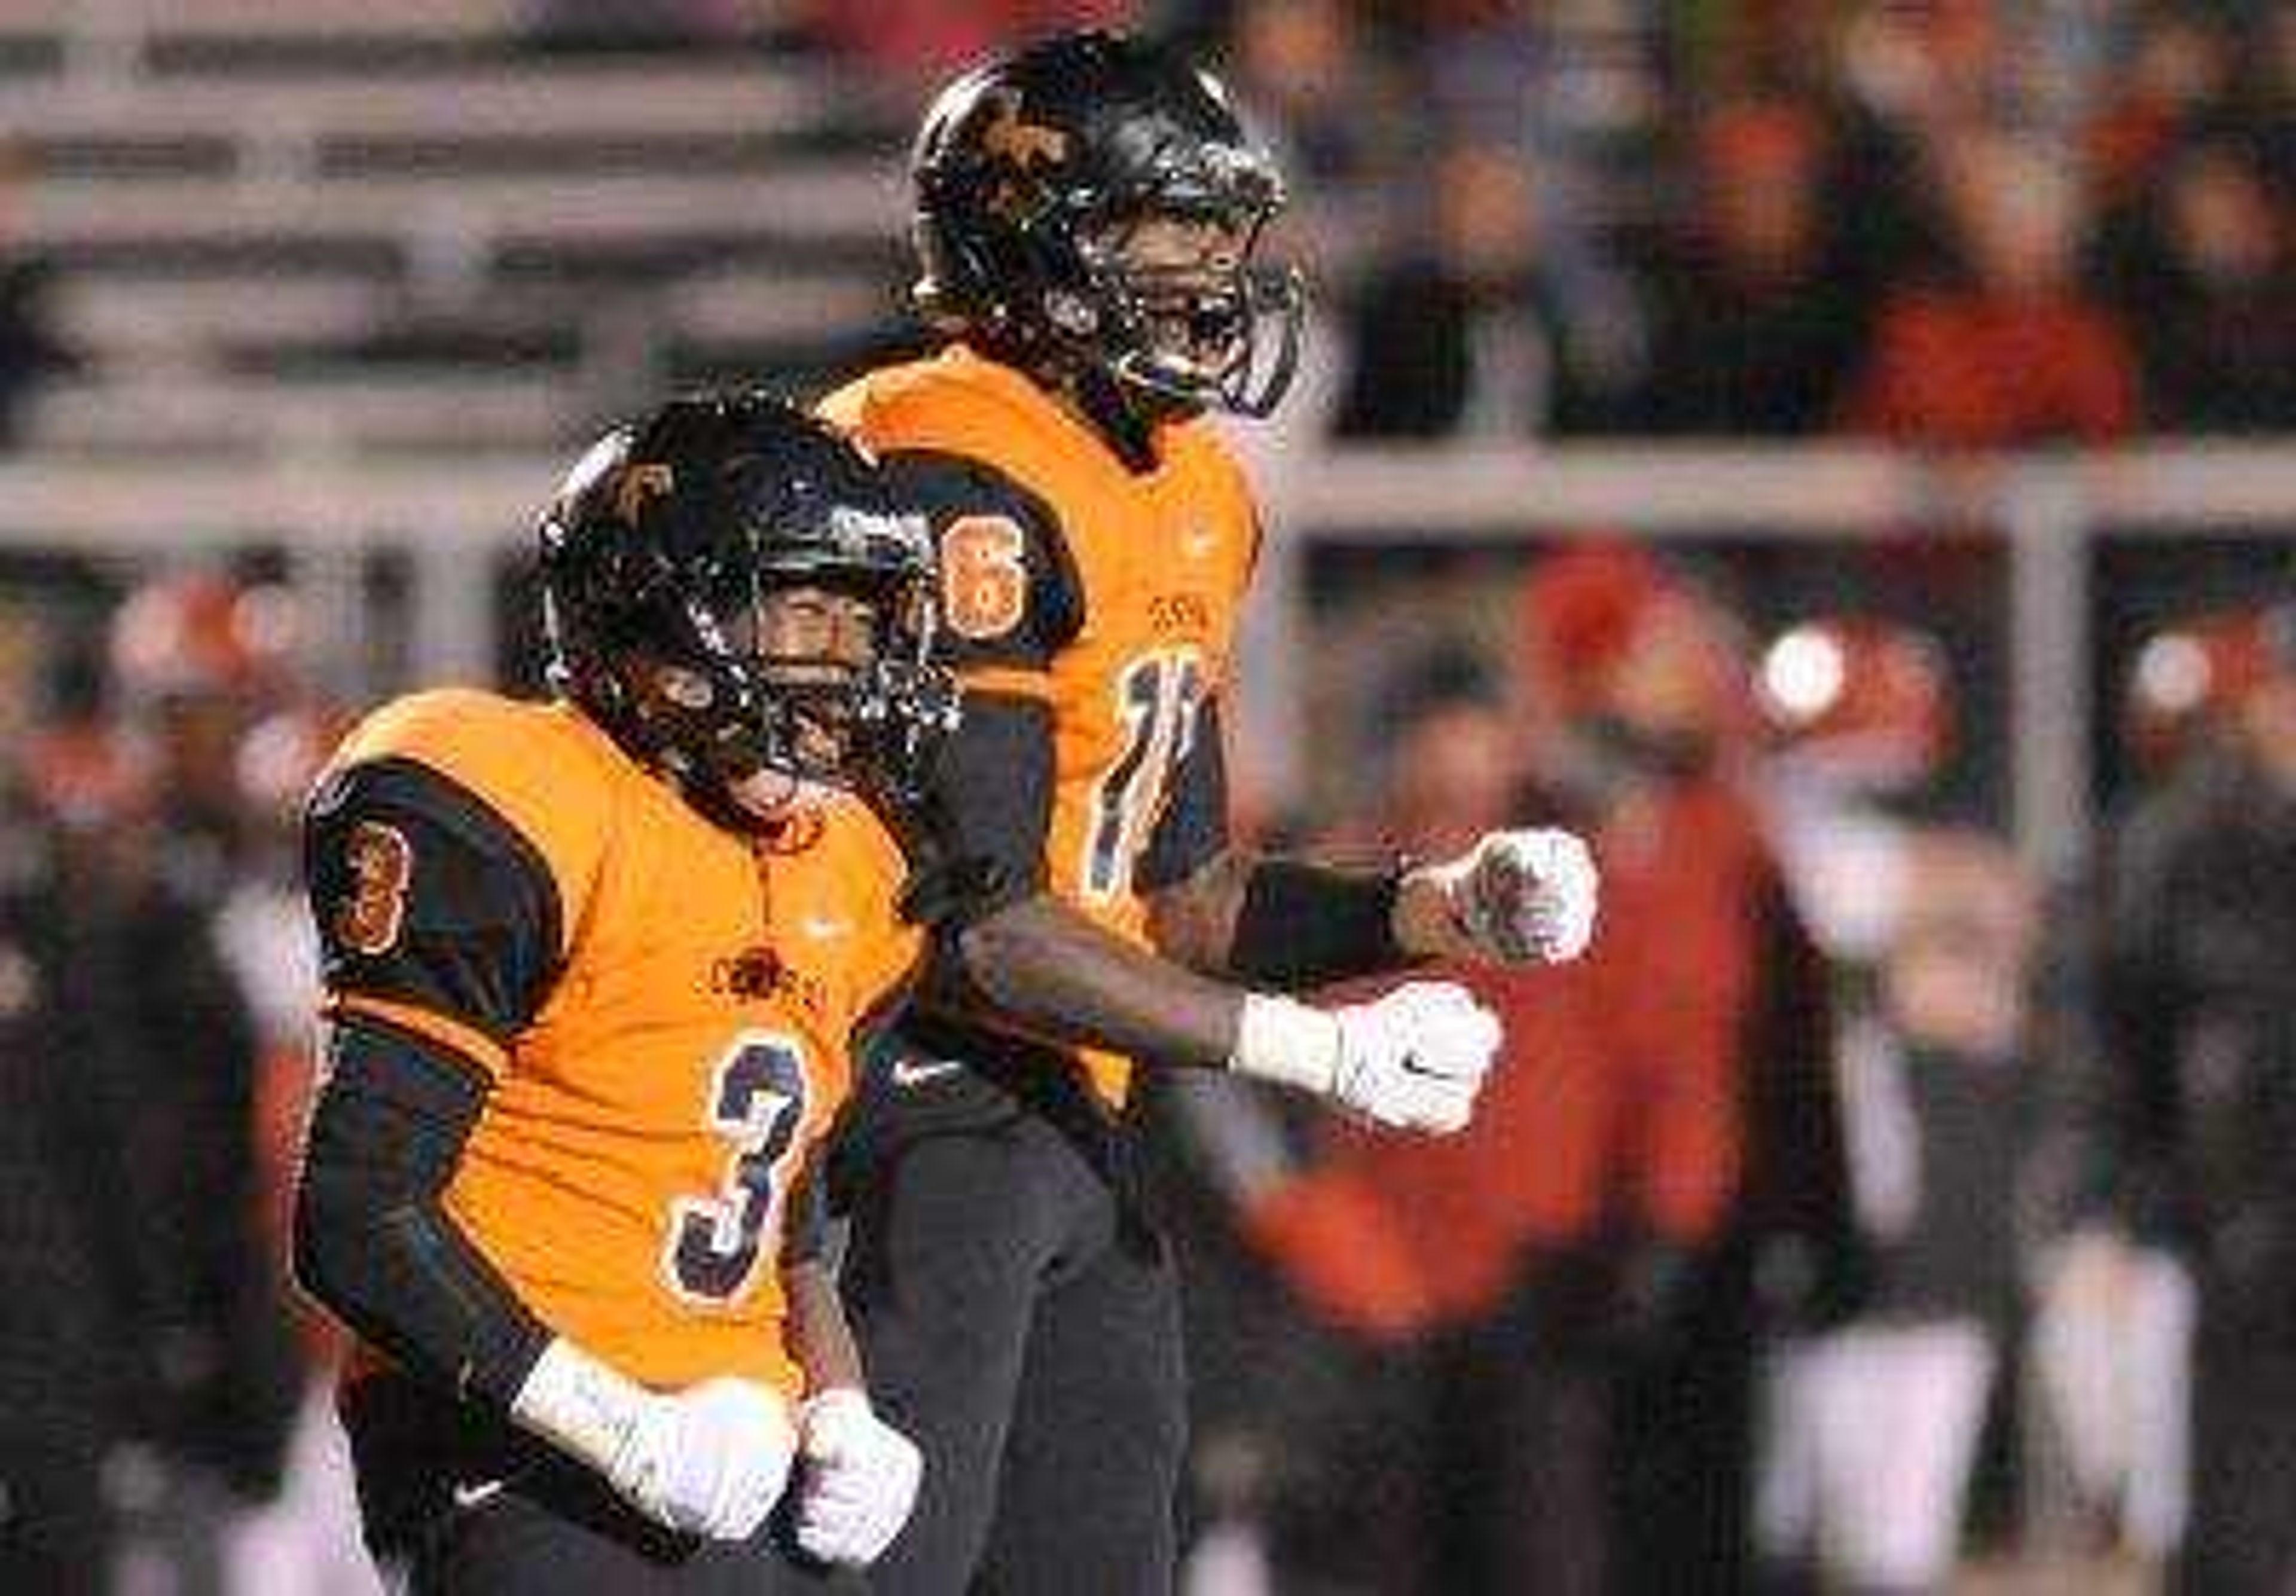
x: 1193, y: 830
x: 372, y: 1239
x: 1010, y: 599
x: 1010, y: 592
x: 424, y: 896
x: 991, y: 807
x: 1303, y: 924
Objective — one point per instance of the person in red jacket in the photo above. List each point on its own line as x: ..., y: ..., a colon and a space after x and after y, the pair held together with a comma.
x: 2005, y: 350
x: 1566, y: 1276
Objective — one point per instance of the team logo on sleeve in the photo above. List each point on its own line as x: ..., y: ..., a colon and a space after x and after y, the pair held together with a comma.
x: 984, y: 586
x: 374, y: 911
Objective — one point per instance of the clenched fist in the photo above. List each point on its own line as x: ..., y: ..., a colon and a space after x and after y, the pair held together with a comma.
x: 1516, y: 897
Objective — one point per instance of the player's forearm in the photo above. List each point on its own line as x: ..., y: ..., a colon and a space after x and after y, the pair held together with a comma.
x: 373, y: 1240
x: 1045, y: 968
x: 1414, y: 1059
x: 820, y: 1337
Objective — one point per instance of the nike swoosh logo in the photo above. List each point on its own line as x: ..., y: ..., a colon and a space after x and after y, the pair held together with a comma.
x: 1412, y: 1066
x: 914, y: 1072
x: 477, y: 1495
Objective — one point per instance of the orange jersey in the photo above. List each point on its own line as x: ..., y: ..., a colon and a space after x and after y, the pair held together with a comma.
x: 1151, y: 568
x: 686, y: 1042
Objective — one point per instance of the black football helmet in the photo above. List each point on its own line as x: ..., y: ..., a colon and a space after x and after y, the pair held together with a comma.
x: 657, y: 558
x: 1028, y: 172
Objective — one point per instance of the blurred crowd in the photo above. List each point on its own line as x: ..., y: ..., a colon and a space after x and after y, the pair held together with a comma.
x: 1859, y: 1195
x: 1863, y: 1203
x: 163, y: 1423
x: 1955, y: 224
x: 1958, y: 224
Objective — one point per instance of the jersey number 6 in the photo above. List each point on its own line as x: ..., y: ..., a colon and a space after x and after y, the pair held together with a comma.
x: 756, y: 1102
x: 984, y: 587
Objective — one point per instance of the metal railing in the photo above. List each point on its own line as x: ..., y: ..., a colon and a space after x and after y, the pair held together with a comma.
x: 453, y: 517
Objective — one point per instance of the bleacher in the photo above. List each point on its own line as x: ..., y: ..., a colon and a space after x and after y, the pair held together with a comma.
x: 420, y: 224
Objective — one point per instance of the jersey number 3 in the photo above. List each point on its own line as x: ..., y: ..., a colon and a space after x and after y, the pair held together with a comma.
x: 1159, y: 698
x: 756, y: 1102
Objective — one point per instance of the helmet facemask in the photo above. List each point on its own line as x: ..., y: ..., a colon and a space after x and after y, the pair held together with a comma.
x: 1174, y: 305
x: 813, y: 671
x: 795, y: 642
x: 839, y: 668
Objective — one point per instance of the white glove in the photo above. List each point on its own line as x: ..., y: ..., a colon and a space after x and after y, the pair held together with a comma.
x: 1524, y: 896
x: 1413, y: 1059
x: 709, y: 1461
x: 858, y: 1481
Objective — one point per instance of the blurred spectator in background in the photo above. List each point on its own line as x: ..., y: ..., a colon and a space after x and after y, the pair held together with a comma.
x: 2203, y: 267
x: 29, y: 349
x: 1756, y: 317
x: 2195, y: 999
x: 2177, y: 68
x: 905, y: 47
x: 1468, y: 334
x: 75, y: 1375
x: 196, y: 658
x: 2187, y: 685
x: 1298, y: 68
x: 1857, y: 718
x: 1329, y: 1384
x: 205, y: 673
x: 1871, y: 1430
x: 1564, y: 1292
x: 1717, y: 1038
x: 2004, y: 349
x: 148, y: 1342
x: 1923, y: 70
x: 307, y: 1540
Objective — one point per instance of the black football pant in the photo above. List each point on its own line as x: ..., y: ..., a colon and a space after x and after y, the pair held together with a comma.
x: 1021, y: 1324
x: 455, y: 1504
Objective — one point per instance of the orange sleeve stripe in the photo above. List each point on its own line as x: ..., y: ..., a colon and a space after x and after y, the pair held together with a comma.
x: 1007, y: 682
x: 451, y: 1034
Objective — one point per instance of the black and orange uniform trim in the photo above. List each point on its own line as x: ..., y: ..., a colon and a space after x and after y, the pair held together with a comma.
x: 651, y: 1019
x: 1089, y: 611
x: 1089, y: 608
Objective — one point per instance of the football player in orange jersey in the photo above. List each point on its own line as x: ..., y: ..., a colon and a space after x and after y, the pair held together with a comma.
x: 593, y: 970
x: 1087, y: 214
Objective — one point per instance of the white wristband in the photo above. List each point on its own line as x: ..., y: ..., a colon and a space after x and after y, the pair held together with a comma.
x: 1292, y: 1044
x: 580, y: 1406
x: 838, y: 1398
